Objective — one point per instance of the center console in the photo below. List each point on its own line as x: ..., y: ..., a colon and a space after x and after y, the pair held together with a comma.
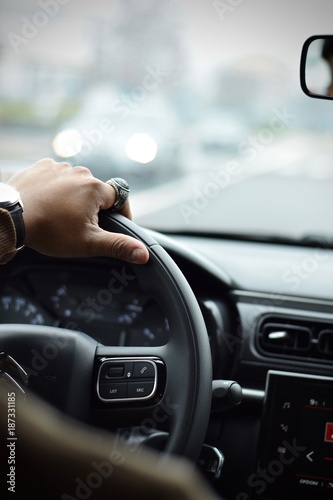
x: 296, y: 447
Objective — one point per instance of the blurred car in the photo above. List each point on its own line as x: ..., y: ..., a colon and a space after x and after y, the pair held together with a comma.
x: 140, y: 144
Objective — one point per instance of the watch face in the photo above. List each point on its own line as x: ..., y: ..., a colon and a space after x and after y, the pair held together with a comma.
x: 8, y: 195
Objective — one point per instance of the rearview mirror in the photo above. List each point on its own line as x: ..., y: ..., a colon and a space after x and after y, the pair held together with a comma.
x: 316, y: 69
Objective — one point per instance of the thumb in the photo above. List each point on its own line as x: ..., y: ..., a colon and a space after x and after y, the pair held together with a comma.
x: 119, y: 246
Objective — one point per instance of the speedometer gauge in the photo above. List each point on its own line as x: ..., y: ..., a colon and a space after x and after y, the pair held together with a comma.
x: 16, y: 307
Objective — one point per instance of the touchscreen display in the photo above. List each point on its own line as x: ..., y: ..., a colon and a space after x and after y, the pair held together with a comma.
x: 296, y: 455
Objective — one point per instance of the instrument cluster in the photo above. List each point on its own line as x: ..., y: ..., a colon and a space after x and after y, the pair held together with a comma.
x: 107, y: 305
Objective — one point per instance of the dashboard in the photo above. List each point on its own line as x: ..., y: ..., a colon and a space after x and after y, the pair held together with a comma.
x: 269, y: 314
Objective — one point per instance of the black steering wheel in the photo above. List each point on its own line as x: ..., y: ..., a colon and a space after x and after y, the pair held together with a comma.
x: 81, y: 377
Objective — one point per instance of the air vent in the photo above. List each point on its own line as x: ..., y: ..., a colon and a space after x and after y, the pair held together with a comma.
x: 284, y: 337
x: 293, y: 337
x: 325, y: 342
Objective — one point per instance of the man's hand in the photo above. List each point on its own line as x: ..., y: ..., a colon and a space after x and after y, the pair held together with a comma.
x: 61, y: 206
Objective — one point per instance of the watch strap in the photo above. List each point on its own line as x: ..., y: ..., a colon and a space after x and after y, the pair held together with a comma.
x: 7, y: 237
x: 16, y: 214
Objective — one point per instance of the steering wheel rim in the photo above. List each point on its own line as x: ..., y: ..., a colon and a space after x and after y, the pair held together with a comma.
x: 186, y: 356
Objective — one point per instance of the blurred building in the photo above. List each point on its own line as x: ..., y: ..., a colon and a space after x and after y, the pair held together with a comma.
x: 49, y: 57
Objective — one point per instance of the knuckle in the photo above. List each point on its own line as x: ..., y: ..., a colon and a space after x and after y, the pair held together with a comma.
x: 65, y: 164
x: 82, y: 170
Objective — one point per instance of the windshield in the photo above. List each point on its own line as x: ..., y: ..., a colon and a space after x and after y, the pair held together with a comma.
x: 196, y: 103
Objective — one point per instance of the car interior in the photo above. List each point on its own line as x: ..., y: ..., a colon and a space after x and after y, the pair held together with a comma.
x: 220, y: 348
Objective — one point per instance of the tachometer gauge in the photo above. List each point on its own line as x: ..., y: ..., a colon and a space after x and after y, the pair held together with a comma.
x: 16, y: 307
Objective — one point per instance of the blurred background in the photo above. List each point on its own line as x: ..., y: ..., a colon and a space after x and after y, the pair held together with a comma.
x: 167, y: 95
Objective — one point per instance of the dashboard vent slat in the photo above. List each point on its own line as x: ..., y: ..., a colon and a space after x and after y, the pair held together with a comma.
x: 285, y: 337
x: 295, y: 337
x: 325, y: 342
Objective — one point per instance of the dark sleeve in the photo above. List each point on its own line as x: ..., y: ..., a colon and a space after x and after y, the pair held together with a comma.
x: 60, y: 458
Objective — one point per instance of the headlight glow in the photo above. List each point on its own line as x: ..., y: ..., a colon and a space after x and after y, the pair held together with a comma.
x: 141, y: 147
x: 67, y: 143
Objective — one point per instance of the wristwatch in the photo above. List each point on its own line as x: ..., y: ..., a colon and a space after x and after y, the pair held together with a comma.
x: 11, y: 201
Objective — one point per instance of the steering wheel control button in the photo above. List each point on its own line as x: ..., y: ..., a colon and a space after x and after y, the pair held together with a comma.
x: 112, y: 390
x: 144, y: 370
x: 116, y: 371
x: 140, y: 389
x: 121, y: 379
x: 111, y: 370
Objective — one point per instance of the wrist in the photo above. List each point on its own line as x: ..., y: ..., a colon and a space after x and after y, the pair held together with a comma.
x: 7, y: 237
x: 12, y: 224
